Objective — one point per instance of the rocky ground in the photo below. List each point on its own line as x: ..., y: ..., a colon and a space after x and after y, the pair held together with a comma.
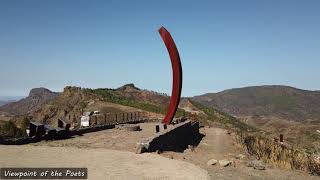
x: 107, y: 153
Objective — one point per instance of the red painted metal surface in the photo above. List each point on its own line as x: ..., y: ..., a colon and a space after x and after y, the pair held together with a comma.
x: 176, y: 72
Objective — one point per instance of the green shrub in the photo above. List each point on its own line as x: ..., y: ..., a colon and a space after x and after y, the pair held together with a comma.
x: 222, y: 118
x: 10, y: 130
x: 110, y: 95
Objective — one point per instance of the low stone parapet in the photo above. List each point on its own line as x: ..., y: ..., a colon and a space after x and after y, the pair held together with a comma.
x: 175, y: 139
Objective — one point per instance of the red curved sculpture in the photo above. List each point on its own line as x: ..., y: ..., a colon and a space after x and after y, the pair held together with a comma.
x: 177, y: 75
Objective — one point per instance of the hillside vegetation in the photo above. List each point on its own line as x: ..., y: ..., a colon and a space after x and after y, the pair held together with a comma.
x: 129, y: 95
x: 214, y: 116
x: 272, y: 101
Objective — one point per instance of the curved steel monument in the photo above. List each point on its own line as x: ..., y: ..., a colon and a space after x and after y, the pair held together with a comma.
x: 176, y: 72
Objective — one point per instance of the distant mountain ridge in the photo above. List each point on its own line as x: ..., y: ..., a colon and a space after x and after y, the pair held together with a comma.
x: 9, y: 99
x: 3, y: 103
x: 278, y: 101
x: 36, y: 98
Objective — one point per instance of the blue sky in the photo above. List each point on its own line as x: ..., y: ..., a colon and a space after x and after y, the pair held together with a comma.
x: 222, y: 44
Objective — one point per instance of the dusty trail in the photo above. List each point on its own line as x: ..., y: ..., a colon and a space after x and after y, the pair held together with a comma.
x: 101, y: 163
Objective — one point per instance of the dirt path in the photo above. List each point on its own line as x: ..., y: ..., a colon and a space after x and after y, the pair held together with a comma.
x: 218, y: 144
x: 101, y: 163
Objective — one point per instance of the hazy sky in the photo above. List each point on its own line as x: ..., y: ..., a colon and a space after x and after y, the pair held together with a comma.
x: 222, y: 44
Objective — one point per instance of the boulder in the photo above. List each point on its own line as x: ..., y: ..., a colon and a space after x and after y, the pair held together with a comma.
x: 240, y: 156
x: 225, y: 163
x: 257, y: 165
x: 189, y: 149
x: 212, y: 162
x: 140, y: 149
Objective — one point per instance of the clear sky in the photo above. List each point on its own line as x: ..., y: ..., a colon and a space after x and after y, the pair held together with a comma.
x: 222, y: 44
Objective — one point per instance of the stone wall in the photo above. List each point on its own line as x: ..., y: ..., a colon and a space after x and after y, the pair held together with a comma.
x: 176, y: 139
x: 109, y: 125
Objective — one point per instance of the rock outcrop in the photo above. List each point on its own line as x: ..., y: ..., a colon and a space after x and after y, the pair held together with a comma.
x: 36, y: 98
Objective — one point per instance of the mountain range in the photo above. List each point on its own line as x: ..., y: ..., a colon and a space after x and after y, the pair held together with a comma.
x: 9, y: 99
x: 3, y: 102
x: 282, y: 102
x: 274, y: 109
x: 269, y: 101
